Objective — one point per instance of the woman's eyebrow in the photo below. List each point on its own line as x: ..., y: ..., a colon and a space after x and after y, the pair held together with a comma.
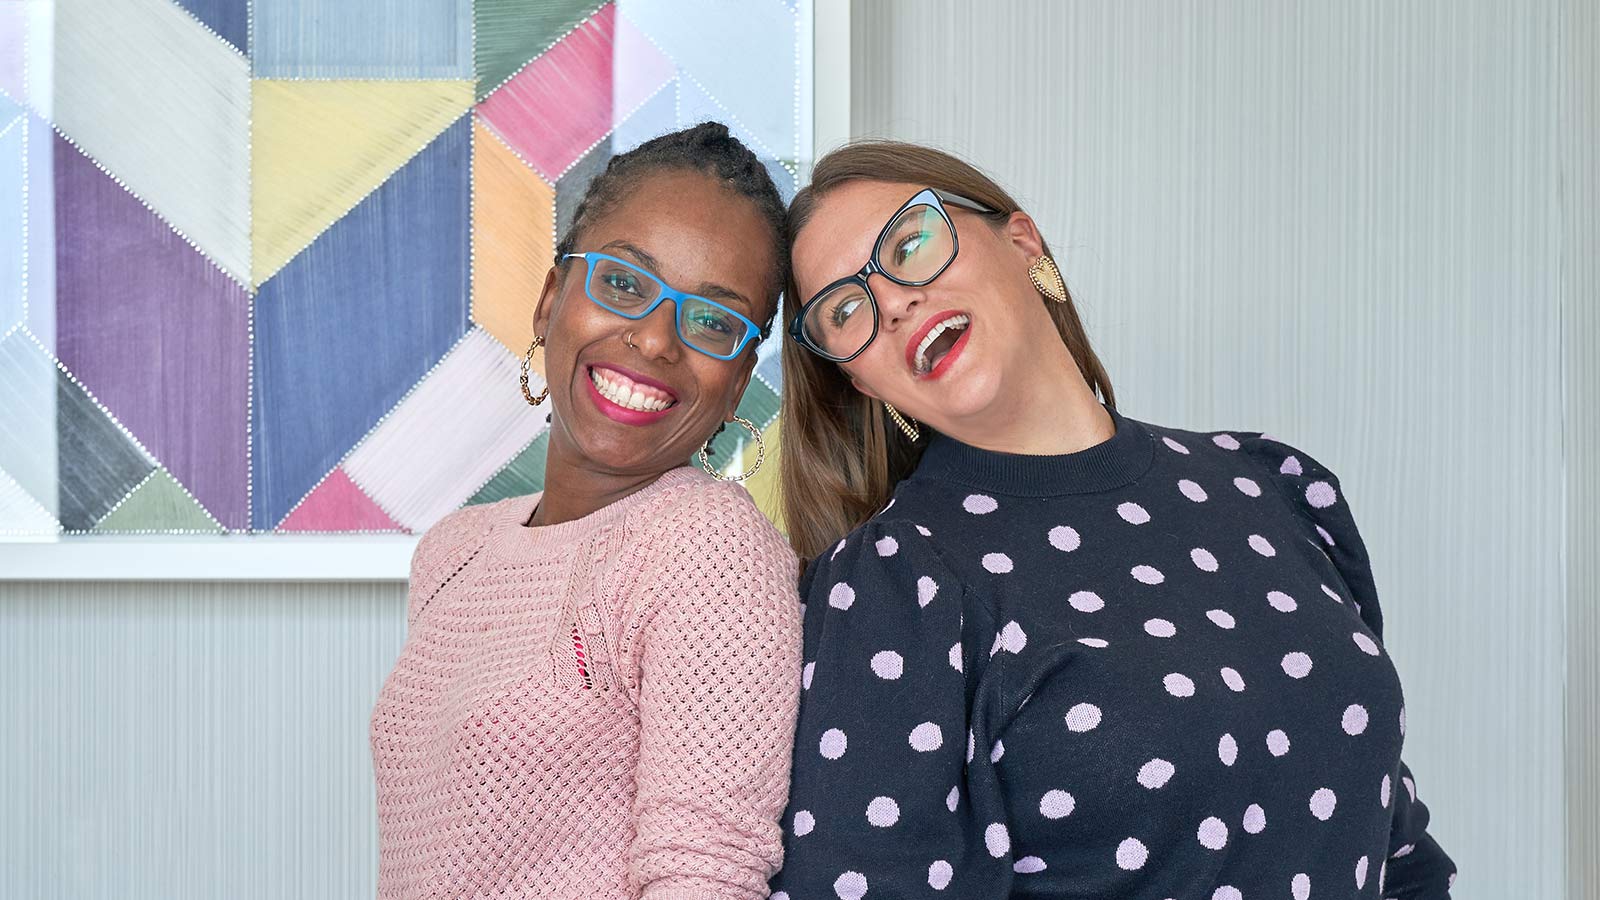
x: 708, y: 289
x: 718, y: 292
x: 638, y: 253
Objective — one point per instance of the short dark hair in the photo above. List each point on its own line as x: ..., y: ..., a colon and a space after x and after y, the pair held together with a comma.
x: 707, y: 148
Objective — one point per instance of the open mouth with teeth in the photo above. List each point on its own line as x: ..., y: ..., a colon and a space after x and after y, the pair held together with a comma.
x: 629, y: 395
x: 939, y: 343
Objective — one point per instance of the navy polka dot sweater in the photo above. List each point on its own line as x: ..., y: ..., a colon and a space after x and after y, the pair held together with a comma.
x: 1151, y: 669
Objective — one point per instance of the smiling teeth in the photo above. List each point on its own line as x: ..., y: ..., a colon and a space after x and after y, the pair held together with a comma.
x: 961, y: 321
x: 627, y: 396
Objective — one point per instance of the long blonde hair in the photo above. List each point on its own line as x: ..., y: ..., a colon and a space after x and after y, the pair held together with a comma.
x: 841, y: 457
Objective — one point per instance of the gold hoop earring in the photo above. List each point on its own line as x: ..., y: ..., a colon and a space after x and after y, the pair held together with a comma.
x: 527, y: 360
x: 1047, y: 278
x: 909, y: 426
x: 761, y: 454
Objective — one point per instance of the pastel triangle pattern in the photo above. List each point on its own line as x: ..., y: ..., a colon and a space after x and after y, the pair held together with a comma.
x: 159, y: 504
x: 523, y: 475
x: 338, y: 505
x: 20, y: 513
x: 512, y: 240
x: 321, y: 146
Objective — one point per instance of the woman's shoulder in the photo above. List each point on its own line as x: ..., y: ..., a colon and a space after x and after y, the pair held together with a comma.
x: 698, y: 513
x: 890, y: 546
x: 466, y: 526
x: 1257, y: 450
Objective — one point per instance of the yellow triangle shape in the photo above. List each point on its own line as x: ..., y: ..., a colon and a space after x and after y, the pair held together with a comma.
x: 319, y: 147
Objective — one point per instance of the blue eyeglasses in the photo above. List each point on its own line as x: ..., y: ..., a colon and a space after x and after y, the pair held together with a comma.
x: 633, y: 293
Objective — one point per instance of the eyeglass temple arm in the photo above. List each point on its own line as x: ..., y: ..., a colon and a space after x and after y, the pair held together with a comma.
x: 961, y: 201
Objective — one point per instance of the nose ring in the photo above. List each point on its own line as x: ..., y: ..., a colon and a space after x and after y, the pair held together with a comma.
x: 628, y: 339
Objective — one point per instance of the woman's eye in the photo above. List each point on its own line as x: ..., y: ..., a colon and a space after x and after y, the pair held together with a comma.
x: 713, y: 322
x: 620, y: 282
x: 843, y: 310
x: 908, y: 246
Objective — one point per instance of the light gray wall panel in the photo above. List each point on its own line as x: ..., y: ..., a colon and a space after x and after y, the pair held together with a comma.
x: 1336, y: 221
x: 1580, y: 310
x: 178, y: 741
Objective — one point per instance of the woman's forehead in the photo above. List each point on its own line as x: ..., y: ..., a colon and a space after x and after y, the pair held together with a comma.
x: 693, y: 229
x: 850, y: 218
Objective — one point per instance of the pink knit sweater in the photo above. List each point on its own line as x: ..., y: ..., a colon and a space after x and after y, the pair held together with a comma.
x: 601, y: 708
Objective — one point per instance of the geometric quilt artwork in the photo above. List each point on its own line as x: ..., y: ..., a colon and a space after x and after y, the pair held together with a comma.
x: 269, y: 266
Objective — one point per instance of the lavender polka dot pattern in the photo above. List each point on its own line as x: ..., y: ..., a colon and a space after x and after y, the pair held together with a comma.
x: 1134, y: 682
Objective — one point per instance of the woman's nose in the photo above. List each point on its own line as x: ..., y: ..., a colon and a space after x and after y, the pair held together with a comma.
x: 896, y: 302
x: 656, y: 335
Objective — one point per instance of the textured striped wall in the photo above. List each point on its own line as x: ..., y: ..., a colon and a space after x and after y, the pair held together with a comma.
x: 178, y: 741
x: 1580, y: 296
x: 1340, y: 222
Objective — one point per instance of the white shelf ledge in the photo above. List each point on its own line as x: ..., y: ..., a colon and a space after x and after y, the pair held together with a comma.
x: 227, y: 558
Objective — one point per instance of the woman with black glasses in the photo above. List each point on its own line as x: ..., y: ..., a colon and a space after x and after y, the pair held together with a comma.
x: 1051, y: 651
x: 597, y: 693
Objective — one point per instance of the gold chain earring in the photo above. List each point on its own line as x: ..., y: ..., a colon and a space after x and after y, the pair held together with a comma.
x: 761, y: 454
x: 907, y: 425
x: 527, y: 360
x: 1047, y: 278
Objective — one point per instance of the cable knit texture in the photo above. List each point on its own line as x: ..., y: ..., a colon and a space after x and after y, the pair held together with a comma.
x: 600, y: 708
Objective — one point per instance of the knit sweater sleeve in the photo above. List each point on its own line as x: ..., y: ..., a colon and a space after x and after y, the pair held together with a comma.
x: 718, y: 663
x: 1417, y: 868
x: 886, y: 802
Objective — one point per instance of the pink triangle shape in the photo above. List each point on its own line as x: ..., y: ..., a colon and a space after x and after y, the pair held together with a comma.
x: 338, y: 505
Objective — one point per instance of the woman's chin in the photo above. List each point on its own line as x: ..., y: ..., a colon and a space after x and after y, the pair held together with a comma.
x: 959, y: 409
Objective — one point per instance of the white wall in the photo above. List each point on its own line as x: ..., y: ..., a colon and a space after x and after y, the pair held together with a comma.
x: 1580, y: 291
x: 1340, y: 222
x: 193, y: 740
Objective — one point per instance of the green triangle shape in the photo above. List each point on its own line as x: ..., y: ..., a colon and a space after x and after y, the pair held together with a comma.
x: 523, y: 475
x: 160, y: 504
x: 509, y: 33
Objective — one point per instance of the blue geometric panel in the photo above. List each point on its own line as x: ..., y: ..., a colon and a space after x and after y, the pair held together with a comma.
x: 349, y: 325
x: 695, y: 105
x: 9, y: 109
x: 41, y: 222
x: 743, y: 52
x: 363, y: 39
x: 28, y: 418
x: 230, y: 19
x: 12, y: 217
x: 655, y: 117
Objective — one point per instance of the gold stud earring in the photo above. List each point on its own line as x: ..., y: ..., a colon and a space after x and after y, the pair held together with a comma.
x: 761, y: 454
x: 527, y: 360
x: 1047, y: 278
x: 907, y: 425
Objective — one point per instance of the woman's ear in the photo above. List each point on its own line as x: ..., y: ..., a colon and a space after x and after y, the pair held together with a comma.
x: 1023, y: 234
x: 547, y: 300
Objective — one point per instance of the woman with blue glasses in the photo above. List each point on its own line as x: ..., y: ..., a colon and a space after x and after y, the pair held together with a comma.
x: 1051, y: 651
x: 598, y: 689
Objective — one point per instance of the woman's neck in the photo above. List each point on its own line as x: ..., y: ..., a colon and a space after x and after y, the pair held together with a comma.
x: 1048, y: 413
x: 574, y: 489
